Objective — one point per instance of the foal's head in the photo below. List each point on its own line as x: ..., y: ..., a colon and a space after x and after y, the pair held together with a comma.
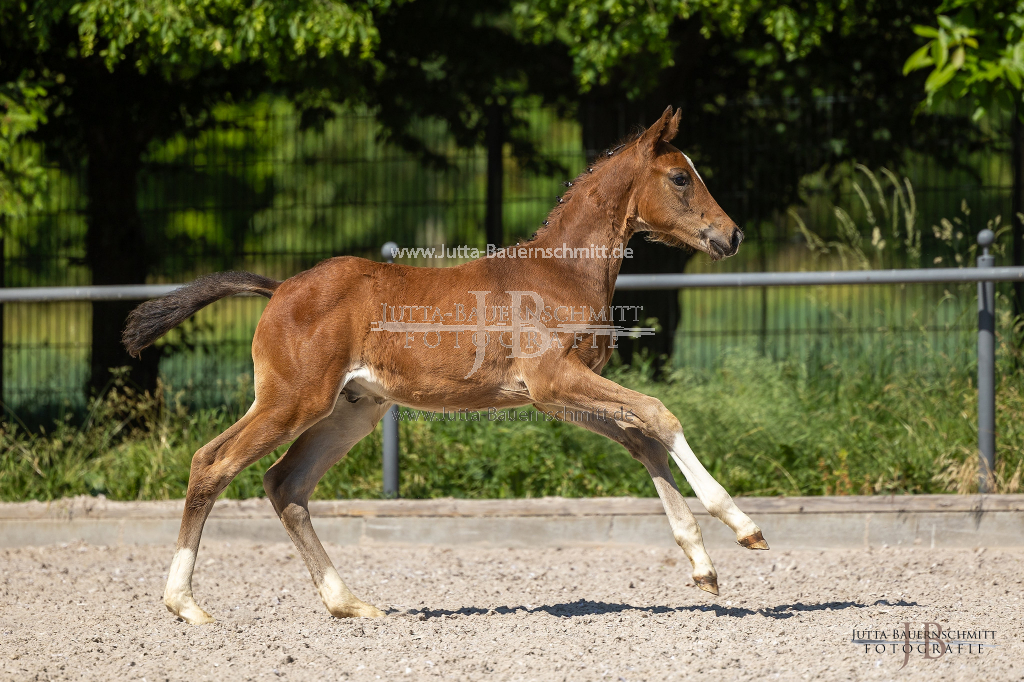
x: 672, y: 203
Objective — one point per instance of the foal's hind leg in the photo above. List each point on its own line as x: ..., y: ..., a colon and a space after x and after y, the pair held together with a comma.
x: 291, y: 480
x: 213, y: 466
x: 685, y: 530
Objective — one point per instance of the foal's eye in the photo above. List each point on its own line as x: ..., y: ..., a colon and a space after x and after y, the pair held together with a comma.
x: 681, y: 180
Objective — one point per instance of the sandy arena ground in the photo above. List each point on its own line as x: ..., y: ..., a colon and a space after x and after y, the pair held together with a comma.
x: 80, y: 611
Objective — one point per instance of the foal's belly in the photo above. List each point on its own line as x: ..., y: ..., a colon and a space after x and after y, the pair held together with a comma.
x: 434, y: 392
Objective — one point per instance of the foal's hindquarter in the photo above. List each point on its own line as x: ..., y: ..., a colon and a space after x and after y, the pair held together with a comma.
x: 324, y: 377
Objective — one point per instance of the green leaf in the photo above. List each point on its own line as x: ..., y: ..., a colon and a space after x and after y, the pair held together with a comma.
x: 1014, y: 78
x: 939, y: 77
x: 920, y: 59
x: 957, y: 60
x: 926, y: 31
x: 943, y: 49
x: 938, y: 54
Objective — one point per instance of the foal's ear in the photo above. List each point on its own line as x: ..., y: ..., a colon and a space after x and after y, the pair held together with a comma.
x: 672, y: 128
x: 663, y: 130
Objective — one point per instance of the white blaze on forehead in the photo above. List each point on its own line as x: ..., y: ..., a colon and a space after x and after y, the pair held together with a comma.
x: 689, y: 161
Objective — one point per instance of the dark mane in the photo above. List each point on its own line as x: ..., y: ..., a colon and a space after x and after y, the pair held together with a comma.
x: 582, y: 180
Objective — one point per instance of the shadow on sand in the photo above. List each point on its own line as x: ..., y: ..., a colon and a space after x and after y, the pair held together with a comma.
x: 586, y: 607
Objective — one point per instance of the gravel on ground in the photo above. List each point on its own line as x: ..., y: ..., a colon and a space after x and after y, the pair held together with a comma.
x: 78, y: 611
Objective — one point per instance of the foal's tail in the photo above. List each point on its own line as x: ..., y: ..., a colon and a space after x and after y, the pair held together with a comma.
x: 153, y: 319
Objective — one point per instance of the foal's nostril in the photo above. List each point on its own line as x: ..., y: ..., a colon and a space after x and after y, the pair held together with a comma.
x: 737, y: 237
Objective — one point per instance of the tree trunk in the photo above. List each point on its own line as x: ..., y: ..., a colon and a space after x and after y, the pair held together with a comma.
x: 116, y: 253
x: 606, y: 122
x: 493, y: 224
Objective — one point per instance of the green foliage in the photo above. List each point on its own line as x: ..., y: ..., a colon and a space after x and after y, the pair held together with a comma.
x: 841, y: 424
x: 640, y: 38
x: 975, y: 51
x: 57, y: 59
x: 888, y: 219
x: 181, y: 38
x: 602, y: 36
x: 805, y: 85
x: 889, y: 222
x: 22, y: 180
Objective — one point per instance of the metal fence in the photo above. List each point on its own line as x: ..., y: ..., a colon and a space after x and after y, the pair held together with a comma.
x: 985, y: 275
x: 258, y: 193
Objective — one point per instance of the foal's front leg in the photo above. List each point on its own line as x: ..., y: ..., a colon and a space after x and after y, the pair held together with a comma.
x: 582, y: 389
x: 685, y: 529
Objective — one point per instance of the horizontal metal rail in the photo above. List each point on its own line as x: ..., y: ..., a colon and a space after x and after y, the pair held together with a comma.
x: 138, y: 292
x: 109, y: 292
x: 831, y: 277
x: 985, y: 275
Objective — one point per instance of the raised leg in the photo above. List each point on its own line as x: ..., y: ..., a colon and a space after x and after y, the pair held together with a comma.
x: 582, y: 389
x: 685, y: 529
x: 714, y: 497
x: 292, y: 479
x: 214, y: 466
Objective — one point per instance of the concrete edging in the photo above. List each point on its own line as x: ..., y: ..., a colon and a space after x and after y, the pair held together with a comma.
x: 788, y: 522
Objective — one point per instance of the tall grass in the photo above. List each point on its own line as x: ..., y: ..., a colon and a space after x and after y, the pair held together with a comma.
x: 830, y: 425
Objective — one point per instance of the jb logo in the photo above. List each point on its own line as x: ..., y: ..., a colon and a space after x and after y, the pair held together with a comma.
x: 930, y: 642
x: 933, y: 647
x: 522, y: 324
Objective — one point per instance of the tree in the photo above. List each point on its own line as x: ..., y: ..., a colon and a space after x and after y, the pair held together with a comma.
x: 472, y: 83
x: 98, y: 82
x: 21, y: 177
x: 974, y: 52
x: 809, y: 85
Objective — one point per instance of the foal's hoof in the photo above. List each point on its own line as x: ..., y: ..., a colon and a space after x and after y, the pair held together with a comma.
x: 356, y: 610
x: 190, y: 613
x: 708, y: 584
x: 755, y: 541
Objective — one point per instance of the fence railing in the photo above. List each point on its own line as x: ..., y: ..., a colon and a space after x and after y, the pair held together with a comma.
x: 830, y: 277
x: 985, y: 274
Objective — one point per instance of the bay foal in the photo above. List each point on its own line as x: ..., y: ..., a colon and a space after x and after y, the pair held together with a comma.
x: 327, y: 370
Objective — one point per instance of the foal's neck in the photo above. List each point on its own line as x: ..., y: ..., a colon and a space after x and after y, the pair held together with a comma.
x: 593, y: 225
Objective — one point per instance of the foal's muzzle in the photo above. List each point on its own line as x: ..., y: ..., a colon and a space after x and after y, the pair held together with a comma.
x: 723, y: 246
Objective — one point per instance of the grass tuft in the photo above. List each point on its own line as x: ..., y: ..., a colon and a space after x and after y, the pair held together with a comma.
x: 839, y: 426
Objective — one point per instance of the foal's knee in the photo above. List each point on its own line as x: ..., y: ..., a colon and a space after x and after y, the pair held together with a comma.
x: 275, y: 482
x: 203, y: 460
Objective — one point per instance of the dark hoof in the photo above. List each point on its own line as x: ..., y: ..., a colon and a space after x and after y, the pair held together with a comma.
x: 755, y: 541
x: 707, y: 584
